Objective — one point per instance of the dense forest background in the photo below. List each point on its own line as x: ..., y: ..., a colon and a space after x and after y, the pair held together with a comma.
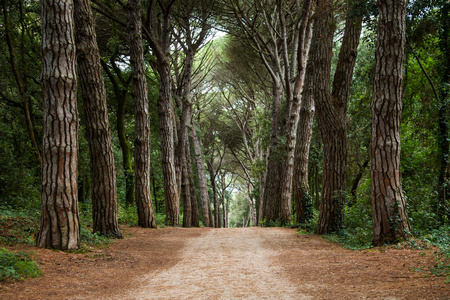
x: 217, y: 63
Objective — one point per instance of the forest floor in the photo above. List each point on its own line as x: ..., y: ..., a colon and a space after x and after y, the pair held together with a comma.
x: 237, y: 263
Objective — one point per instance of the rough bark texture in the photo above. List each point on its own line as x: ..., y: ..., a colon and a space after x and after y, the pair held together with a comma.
x: 388, y: 204
x: 60, y: 227
x: 202, y: 178
x: 158, y: 32
x: 193, y: 193
x: 104, y: 195
x: 300, y: 186
x: 332, y: 109
x: 186, y: 191
x: 146, y: 216
x: 271, y: 201
x: 212, y: 176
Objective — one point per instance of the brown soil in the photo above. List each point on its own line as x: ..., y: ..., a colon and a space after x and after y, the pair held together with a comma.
x: 241, y: 263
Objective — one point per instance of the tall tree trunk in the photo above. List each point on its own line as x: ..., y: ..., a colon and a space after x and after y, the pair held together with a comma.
x: 195, y: 213
x: 60, y: 228
x: 292, y: 121
x: 217, y: 223
x: 158, y: 32
x: 186, y: 191
x: 166, y: 117
x: 301, y: 196
x: 104, y: 195
x: 146, y: 216
x: 332, y: 108
x: 202, y: 178
x: 390, y: 221
x: 271, y: 202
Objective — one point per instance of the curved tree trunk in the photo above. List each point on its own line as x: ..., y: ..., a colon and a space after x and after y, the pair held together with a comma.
x: 104, y: 195
x: 60, y: 227
x: 146, y: 216
x: 388, y: 204
x: 332, y: 108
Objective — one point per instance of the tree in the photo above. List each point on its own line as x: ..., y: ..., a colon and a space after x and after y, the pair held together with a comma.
x: 121, y: 86
x: 332, y: 106
x: 157, y: 31
x: 390, y: 221
x: 60, y: 228
x: 146, y: 216
x: 103, y: 172
x: 300, y: 186
x: 281, y: 38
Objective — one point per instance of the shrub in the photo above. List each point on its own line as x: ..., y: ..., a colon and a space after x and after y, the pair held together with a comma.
x: 17, y: 265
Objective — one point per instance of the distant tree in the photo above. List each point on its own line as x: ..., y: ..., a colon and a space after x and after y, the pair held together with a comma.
x: 60, y: 228
x: 104, y: 194
x: 390, y: 221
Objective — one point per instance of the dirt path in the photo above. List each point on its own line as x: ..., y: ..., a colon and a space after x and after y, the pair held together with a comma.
x: 250, y: 263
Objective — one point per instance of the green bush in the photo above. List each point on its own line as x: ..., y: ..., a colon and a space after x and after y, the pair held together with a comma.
x: 17, y: 265
x: 441, y: 239
x: 127, y: 214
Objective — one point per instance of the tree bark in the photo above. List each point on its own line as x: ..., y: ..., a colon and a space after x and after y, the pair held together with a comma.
x: 104, y: 194
x: 60, y: 227
x: 195, y: 213
x: 201, y: 176
x: 300, y: 189
x: 271, y: 202
x: 292, y: 121
x: 186, y: 191
x: 332, y: 108
x: 212, y: 174
x: 146, y: 216
x: 390, y: 221
x: 158, y: 32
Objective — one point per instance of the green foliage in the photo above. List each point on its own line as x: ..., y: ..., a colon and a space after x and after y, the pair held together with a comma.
x: 309, y: 226
x: 17, y: 226
x: 441, y: 239
x: 17, y: 265
x: 239, y: 211
x: 357, y: 228
x: 127, y: 214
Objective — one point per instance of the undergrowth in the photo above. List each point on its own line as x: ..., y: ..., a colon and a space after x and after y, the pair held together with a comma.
x: 17, y: 265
